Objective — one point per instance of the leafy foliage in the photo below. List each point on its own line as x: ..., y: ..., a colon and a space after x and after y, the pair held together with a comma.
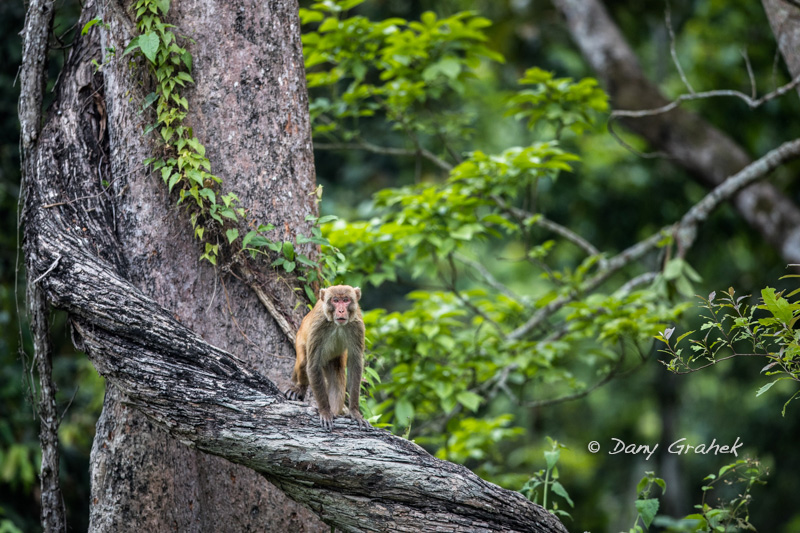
x: 547, y: 482
x: 728, y: 513
x: 396, y: 67
x: 463, y: 347
x: 734, y: 329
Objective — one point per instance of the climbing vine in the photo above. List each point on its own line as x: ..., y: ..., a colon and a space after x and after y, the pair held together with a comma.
x: 184, y: 167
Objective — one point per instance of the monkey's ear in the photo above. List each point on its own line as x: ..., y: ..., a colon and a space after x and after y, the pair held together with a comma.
x: 358, y: 293
x: 322, y: 294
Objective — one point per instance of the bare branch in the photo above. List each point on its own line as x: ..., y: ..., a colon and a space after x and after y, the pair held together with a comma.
x: 686, y: 230
x: 642, y: 279
x: 708, y: 154
x: 751, y: 102
x: 38, y: 23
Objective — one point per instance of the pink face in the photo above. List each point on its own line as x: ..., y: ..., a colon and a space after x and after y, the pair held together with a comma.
x: 341, y: 308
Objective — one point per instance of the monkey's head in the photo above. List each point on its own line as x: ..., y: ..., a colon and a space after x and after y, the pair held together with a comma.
x: 340, y: 303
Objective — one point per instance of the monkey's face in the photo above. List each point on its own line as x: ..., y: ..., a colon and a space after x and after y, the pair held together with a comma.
x: 340, y: 303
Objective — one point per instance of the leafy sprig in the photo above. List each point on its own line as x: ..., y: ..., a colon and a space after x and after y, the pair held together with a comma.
x: 735, y: 329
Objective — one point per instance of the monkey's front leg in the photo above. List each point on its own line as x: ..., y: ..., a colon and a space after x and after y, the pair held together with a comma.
x: 317, y: 382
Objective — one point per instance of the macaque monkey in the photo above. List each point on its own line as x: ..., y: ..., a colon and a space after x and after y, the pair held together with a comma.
x: 330, y: 338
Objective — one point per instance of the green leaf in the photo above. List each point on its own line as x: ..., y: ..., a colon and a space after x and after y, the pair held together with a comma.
x: 89, y: 25
x: 247, y: 238
x: 232, y: 235
x: 647, y: 510
x: 403, y: 412
x: 768, y: 386
x: 149, y: 43
x: 470, y: 400
x: 779, y: 307
x: 186, y: 57
x: 133, y: 45
x: 288, y: 250
x: 559, y: 489
x: 149, y: 99
x: 162, y: 5
x: 551, y: 458
x: 173, y: 180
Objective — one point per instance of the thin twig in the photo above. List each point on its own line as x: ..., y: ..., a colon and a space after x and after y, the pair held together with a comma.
x: 672, y: 50
x: 69, y: 404
x: 714, y: 362
x: 751, y: 102
x: 475, y: 309
x: 230, y: 311
x: 46, y: 272
x: 753, y: 90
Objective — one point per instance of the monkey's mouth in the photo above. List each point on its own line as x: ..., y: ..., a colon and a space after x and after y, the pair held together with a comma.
x: 341, y: 320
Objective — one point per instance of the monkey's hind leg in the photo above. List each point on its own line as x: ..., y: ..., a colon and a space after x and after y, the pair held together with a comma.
x: 297, y: 390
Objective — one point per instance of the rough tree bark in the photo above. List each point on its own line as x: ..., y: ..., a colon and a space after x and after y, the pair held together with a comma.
x: 38, y: 24
x: 120, y: 261
x: 704, y: 151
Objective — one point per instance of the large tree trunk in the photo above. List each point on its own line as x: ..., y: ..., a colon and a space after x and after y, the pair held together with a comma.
x: 150, y: 316
x: 249, y: 109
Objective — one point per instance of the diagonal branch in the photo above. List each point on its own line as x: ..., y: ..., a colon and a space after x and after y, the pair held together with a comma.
x: 684, y: 231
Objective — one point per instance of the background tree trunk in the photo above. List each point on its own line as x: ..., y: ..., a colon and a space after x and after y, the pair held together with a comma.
x: 707, y: 153
x: 784, y: 19
x: 249, y: 108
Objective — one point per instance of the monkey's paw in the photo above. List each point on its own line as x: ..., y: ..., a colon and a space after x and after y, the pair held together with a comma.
x: 360, y: 420
x: 294, y: 393
x: 326, y: 418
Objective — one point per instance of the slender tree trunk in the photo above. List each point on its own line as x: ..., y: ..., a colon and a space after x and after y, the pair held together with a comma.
x: 249, y: 109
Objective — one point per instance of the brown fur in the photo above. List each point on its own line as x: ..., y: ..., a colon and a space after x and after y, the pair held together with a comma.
x: 325, y: 348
